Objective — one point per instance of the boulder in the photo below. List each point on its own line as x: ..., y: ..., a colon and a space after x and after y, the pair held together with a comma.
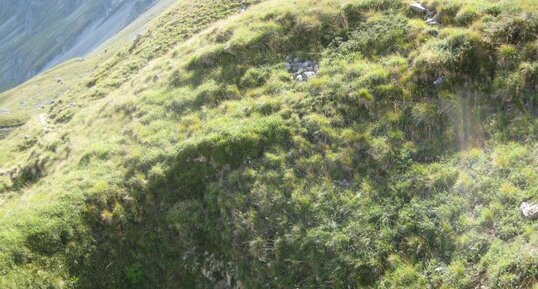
x: 417, y: 7
x: 439, y: 81
x: 432, y: 21
x: 309, y: 74
x: 137, y: 39
x: 529, y: 210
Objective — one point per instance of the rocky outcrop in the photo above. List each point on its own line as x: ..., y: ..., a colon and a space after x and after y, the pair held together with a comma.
x: 419, y: 8
x: 529, y: 210
x: 301, y: 69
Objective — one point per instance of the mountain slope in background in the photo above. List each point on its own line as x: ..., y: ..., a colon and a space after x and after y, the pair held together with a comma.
x: 36, y: 35
x: 283, y: 144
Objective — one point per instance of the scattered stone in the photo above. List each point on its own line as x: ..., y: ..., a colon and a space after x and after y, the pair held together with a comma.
x: 59, y: 80
x: 44, y: 103
x: 4, y: 111
x: 439, y: 269
x: 431, y: 18
x: 529, y: 210
x: 439, y: 81
x: 417, y: 7
x: 301, y: 69
x: 137, y: 38
x: 344, y: 183
x: 309, y: 74
x: 432, y: 21
x: 43, y: 119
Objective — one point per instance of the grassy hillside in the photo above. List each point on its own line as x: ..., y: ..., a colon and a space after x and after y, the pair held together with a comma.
x: 195, y: 159
x: 35, y: 96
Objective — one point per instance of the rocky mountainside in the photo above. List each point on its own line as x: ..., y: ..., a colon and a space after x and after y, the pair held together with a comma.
x: 36, y: 35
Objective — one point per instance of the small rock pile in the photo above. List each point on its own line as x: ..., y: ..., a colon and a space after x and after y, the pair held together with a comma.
x: 529, y: 210
x: 301, y: 69
x: 44, y: 103
x: 431, y: 19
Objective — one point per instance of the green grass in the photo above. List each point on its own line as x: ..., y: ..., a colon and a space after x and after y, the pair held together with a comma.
x: 13, y: 120
x: 195, y: 157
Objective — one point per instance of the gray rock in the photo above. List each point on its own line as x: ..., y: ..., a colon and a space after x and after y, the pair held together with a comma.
x: 309, y: 74
x: 137, y: 38
x: 4, y: 111
x: 301, y: 69
x: 44, y: 103
x: 432, y: 21
x: 439, y: 81
x: 529, y: 210
x: 417, y: 7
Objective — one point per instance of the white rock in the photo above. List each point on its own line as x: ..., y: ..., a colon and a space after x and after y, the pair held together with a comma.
x: 309, y: 74
x: 439, y: 81
x: 529, y: 210
x: 417, y: 7
x: 432, y: 21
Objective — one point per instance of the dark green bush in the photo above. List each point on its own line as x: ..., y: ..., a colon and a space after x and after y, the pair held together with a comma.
x: 459, y: 54
x: 377, y: 37
x: 466, y: 16
x: 514, y: 30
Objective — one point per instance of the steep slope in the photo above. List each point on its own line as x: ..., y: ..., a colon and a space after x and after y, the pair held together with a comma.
x: 35, y: 96
x: 287, y: 144
x: 37, y: 35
